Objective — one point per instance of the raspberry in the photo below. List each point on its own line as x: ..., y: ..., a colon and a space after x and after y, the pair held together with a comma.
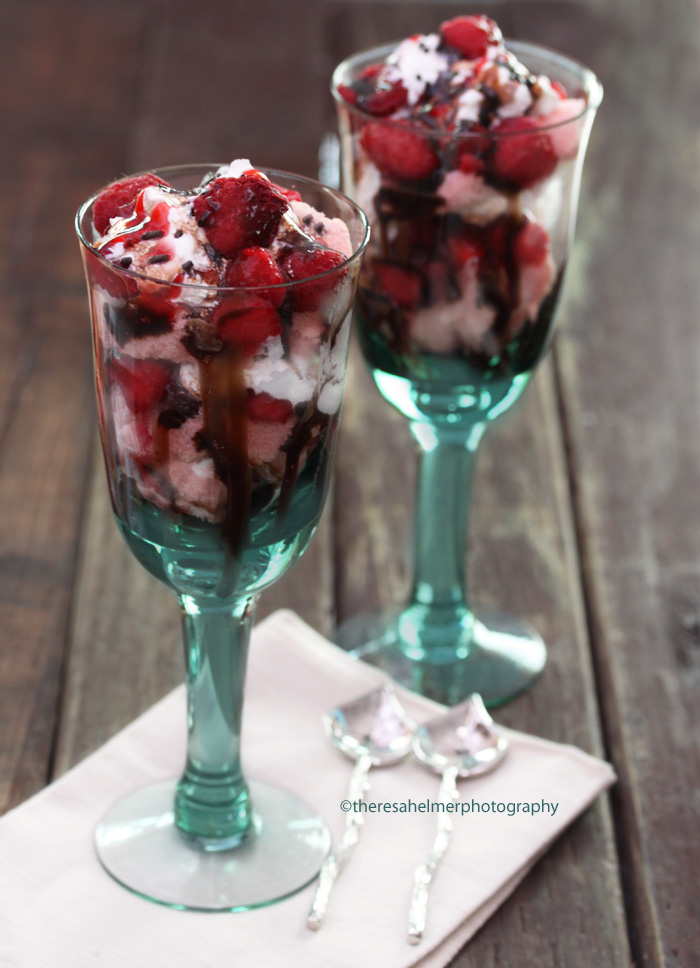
x: 238, y: 212
x: 471, y: 149
x: 470, y: 164
x: 463, y: 248
x: 348, y: 94
x: 262, y: 406
x: 141, y: 224
x: 255, y: 267
x: 443, y: 113
x: 153, y: 311
x: 303, y: 263
x: 117, y: 284
x: 398, y: 151
x: 118, y: 199
x: 246, y: 321
x: 386, y: 99
x: 532, y: 244
x: 471, y: 36
x: 291, y: 194
x: 403, y: 284
x: 525, y: 155
x: 143, y: 382
x: 375, y: 93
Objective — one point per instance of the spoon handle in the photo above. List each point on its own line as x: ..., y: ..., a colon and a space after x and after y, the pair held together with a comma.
x: 334, y: 863
x: 424, y: 874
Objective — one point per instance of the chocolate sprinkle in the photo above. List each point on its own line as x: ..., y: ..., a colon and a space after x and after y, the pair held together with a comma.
x: 125, y: 261
x: 178, y: 234
x: 307, y: 220
x: 319, y: 228
x: 156, y: 259
x: 153, y: 234
x: 187, y: 266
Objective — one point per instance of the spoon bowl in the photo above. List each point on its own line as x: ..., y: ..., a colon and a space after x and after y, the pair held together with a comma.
x: 375, y: 725
x: 465, y: 738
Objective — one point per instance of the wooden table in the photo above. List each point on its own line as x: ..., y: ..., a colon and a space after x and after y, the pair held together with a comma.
x: 587, y: 508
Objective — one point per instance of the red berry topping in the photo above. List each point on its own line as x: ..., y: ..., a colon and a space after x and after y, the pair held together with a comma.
x: 262, y: 406
x: 403, y: 284
x: 386, y: 99
x: 256, y: 267
x: 471, y: 149
x: 470, y: 164
x: 398, y: 151
x: 143, y: 382
x: 348, y: 94
x: 464, y: 248
x: 560, y: 89
x: 532, y: 244
x: 375, y: 93
x: 442, y: 112
x: 154, y: 310
x: 238, y: 212
x: 303, y: 263
x: 291, y: 194
x: 246, y: 321
x: 102, y: 274
x: 524, y: 155
x: 118, y: 199
x: 471, y: 36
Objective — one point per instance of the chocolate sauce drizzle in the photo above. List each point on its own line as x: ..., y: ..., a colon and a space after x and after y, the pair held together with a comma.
x: 413, y: 234
x: 225, y: 433
x: 129, y: 320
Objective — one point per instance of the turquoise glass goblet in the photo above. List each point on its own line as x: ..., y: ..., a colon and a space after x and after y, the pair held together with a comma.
x: 218, y: 451
x: 455, y: 309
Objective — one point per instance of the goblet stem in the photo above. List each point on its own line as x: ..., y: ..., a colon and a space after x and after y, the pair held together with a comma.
x: 213, y: 809
x: 438, y: 598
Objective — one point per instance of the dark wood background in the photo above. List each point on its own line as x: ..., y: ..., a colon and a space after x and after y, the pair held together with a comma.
x: 587, y: 500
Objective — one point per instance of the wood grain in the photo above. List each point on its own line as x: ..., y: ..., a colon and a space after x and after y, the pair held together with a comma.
x: 55, y: 126
x: 586, y: 513
x: 629, y: 382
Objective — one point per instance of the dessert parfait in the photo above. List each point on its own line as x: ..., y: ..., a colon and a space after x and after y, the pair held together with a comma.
x: 465, y: 156
x: 220, y: 303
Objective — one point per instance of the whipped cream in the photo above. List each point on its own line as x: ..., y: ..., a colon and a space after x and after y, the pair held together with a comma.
x: 417, y: 63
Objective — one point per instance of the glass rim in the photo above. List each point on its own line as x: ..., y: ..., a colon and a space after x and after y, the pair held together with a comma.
x: 357, y: 252
x: 590, y: 81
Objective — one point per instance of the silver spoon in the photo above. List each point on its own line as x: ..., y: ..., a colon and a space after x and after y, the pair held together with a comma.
x: 374, y: 730
x: 460, y: 743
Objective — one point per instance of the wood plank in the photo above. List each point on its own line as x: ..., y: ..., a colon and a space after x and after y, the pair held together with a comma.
x: 42, y: 475
x: 232, y: 82
x: 58, y: 127
x: 570, y: 909
x: 629, y: 376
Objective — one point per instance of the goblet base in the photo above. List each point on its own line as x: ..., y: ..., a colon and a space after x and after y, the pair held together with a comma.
x: 139, y: 845
x: 497, y: 656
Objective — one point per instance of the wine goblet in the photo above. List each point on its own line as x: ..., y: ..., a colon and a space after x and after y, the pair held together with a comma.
x: 455, y: 309
x: 218, y: 410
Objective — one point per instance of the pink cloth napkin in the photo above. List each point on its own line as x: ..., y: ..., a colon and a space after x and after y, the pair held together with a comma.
x: 59, y: 908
